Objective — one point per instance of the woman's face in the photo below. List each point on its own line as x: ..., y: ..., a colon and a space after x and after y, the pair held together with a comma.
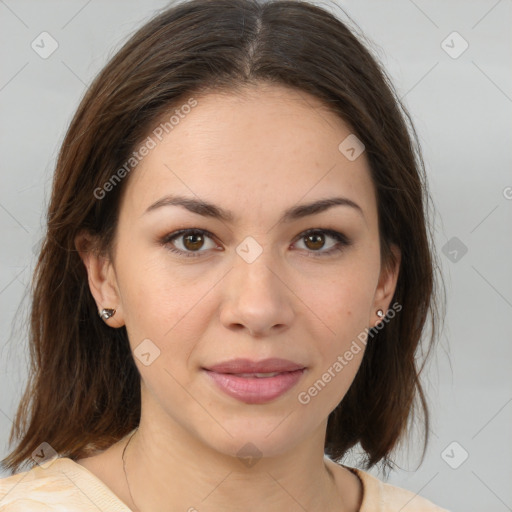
x: 254, y: 285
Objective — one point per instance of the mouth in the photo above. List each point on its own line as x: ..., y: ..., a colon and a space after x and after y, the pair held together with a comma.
x: 255, y: 382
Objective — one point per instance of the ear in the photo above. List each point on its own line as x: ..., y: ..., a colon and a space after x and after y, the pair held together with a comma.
x: 386, y: 286
x: 101, y: 277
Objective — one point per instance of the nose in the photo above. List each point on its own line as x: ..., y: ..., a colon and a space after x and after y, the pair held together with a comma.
x: 257, y: 297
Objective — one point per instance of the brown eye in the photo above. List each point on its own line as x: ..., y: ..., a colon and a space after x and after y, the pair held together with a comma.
x: 193, y: 242
x: 188, y: 242
x: 314, y: 241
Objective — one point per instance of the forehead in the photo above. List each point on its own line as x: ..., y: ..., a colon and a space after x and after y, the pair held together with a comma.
x: 259, y: 148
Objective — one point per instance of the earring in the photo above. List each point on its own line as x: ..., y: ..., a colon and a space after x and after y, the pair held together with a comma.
x: 380, y: 314
x: 106, y: 313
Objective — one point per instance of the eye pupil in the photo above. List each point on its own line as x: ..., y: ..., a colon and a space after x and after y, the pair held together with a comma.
x: 318, y: 240
x: 197, y: 241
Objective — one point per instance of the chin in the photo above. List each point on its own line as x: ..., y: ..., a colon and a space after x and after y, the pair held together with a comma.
x: 249, y: 441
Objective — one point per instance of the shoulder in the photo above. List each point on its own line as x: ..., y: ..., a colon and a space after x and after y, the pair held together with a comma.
x: 39, y: 489
x: 382, y: 497
x: 61, y: 486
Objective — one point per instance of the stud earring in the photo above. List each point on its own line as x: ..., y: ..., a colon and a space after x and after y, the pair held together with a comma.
x: 380, y: 314
x: 106, y: 313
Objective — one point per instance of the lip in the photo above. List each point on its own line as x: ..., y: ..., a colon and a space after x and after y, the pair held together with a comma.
x: 247, y: 366
x: 255, y: 390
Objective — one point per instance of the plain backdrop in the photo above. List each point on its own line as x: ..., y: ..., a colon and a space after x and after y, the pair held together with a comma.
x: 450, y: 61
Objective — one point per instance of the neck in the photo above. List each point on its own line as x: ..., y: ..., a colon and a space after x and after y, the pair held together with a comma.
x: 171, y: 469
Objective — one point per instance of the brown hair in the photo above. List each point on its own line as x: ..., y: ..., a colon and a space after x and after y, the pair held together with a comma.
x: 83, y: 392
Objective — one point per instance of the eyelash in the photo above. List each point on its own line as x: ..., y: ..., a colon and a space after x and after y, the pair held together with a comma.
x: 342, y: 240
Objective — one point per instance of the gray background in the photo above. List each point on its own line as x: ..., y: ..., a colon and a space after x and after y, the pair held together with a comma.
x: 461, y: 107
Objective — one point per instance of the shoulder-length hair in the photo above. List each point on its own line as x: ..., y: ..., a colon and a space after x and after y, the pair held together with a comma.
x: 83, y: 392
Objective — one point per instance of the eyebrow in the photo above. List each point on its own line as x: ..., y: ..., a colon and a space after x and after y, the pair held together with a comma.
x: 207, y: 209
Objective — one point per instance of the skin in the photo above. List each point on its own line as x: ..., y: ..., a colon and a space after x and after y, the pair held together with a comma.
x: 255, y: 153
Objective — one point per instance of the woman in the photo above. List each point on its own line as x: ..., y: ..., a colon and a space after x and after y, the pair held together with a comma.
x: 235, y: 279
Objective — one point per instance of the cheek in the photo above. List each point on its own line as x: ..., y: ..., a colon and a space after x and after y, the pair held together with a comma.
x: 344, y: 301
x: 340, y: 344
x: 163, y: 302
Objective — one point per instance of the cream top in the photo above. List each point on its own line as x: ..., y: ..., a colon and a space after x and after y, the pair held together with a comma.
x: 63, y: 485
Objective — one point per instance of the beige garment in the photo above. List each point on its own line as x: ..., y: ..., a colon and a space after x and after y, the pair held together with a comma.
x: 63, y: 485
